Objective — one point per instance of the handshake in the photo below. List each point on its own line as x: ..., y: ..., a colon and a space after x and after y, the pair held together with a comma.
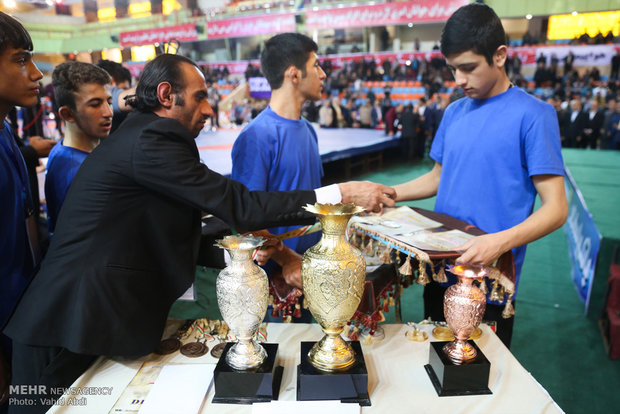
x: 371, y: 196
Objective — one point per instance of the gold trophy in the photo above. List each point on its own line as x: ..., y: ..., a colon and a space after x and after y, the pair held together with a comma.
x: 333, y: 274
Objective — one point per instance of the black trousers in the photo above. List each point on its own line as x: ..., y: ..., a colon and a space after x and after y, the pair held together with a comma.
x: 40, y: 375
x: 433, y: 308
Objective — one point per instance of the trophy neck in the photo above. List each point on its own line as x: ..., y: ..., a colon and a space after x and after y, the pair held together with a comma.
x: 240, y: 256
x: 334, y: 225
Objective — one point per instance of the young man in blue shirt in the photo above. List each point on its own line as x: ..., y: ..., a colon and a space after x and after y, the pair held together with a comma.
x: 18, y: 242
x: 494, y: 150
x: 83, y: 96
x: 278, y: 151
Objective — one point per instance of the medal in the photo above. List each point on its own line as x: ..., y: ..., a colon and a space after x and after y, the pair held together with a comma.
x: 194, y: 349
x: 217, y: 350
x: 172, y: 344
x: 168, y: 346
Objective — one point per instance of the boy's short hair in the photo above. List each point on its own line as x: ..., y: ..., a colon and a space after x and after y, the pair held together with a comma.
x: 282, y: 51
x: 118, y: 72
x: 13, y: 34
x: 473, y: 27
x: 68, y: 77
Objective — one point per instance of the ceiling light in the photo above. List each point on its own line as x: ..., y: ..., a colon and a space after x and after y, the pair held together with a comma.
x: 528, y: 16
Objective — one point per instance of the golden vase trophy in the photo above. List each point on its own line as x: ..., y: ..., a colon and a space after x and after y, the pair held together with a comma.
x: 333, y: 274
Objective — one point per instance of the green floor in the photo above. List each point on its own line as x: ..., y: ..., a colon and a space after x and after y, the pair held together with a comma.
x: 553, y: 339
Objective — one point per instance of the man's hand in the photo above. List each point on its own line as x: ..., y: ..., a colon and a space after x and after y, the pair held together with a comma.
x: 372, y: 196
x: 291, y: 269
x: 267, y: 250
x: 271, y: 245
x: 41, y: 145
x: 481, y: 250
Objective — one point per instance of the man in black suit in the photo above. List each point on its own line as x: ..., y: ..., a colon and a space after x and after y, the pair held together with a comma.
x: 126, y: 240
x: 575, y: 122
x: 592, y: 132
x: 410, y: 123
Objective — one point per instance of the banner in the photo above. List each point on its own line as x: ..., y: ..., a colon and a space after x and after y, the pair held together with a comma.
x: 584, y: 240
x: 251, y: 25
x: 586, y: 55
x: 182, y: 33
x: 259, y: 88
x: 383, y: 14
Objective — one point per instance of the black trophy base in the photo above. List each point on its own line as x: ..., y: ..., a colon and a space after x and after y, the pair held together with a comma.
x: 450, y: 379
x: 261, y: 384
x: 350, y: 386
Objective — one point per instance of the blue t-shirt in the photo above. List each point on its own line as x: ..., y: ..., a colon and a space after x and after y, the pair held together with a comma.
x: 278, y: 154
x: 489, y: 150
x: 62, y: 165
x: 15, y: 259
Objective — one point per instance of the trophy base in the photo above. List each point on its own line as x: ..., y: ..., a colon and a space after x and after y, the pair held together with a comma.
x: 350, y: 386
x: 449, y: 379
x: 260, y: 384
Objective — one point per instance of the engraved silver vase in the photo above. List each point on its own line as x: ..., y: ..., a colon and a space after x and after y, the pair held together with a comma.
x: 463, y: 306
x: 333, y: 274
x: 242, y: 296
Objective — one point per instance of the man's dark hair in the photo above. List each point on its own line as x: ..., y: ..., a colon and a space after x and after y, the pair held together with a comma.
x: 13, y: 34
x: 124, y: 75
x: 164, y: 68
x: 118, y: 72
x: 473, y: 27
x: 282, y: 51
x: 68, y: 77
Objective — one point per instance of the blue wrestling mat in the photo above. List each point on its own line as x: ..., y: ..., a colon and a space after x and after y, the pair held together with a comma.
x: 334, y: 144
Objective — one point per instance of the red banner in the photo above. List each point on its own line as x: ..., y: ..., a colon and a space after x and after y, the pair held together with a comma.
x: 383, y: 14
x: 251, y: 25
x: 182, y: 33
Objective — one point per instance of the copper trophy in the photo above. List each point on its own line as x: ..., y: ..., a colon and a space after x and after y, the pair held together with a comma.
x: 459, y: 367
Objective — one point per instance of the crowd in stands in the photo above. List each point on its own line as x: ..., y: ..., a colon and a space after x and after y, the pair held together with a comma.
x: 363, y: 94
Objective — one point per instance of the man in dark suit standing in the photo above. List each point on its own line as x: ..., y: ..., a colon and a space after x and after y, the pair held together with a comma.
x: 410, y: 123
x: 592, y: 132
x: 575, y: 122
x: 127, y: 238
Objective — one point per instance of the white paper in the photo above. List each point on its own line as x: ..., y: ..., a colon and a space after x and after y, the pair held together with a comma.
x: 179, y: 389
x: 305, y: 407
x: 402, y: 220
x: 437, y: 241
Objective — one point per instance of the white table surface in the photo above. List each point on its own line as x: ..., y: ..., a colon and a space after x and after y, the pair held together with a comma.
x: 398, y: 382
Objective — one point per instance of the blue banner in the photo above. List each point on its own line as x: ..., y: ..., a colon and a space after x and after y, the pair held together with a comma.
x: 584, y: 240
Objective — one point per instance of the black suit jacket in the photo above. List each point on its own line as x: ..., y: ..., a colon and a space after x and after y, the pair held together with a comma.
x: 574, y: 130
x: 127, y: 240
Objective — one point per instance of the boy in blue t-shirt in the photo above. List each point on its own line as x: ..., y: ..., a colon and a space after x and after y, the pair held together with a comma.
x: 82, y: 92
x: 495, y: 149
x: 278, y: 150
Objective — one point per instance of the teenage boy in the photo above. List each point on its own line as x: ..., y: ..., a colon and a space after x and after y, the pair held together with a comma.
x: 495, y: 149
x: 82, y: 92
x: 279, y: 151
x: 18, y: 242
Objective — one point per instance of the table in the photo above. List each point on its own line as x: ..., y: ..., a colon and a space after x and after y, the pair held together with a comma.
x: 398, y: 382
